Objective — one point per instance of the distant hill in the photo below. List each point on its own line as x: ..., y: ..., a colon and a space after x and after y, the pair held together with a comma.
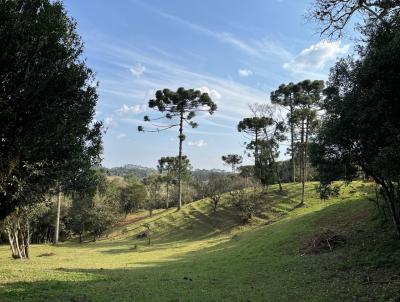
x: 130, y: 170
x: 203, y: 174
x: 141, y: 172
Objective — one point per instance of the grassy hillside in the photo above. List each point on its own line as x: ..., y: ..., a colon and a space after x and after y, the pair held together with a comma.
x: 198, y: 255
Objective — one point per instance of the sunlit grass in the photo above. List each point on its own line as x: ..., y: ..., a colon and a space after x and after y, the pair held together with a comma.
x: 198, y: 255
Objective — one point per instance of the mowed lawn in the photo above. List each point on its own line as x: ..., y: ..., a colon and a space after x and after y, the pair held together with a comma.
x: 198, y: 255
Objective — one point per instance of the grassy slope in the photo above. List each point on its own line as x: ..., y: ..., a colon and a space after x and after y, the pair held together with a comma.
x: 197, y: 255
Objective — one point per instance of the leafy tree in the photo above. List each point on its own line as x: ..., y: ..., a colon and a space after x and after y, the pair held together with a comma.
x: 17, y: 226
x: 78, y: 215
x: 92, y: 198
x: 179, y: 107
x: 101, y: 216
x: 47, y: 103
x: 153, y: 185
x: 246, y: 172
x: 91, y: 214
x: 247, y: 203
x: 168, y: 167
x: 232, y: 160
x: 216, y: 186
x: 362, y: 126
x: 132, y: 197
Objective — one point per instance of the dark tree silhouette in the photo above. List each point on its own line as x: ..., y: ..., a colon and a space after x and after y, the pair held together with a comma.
x: 334, y: 15
x: 47, y: 103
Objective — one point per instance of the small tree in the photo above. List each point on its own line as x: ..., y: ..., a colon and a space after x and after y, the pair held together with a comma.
x: 272, y: 135
x: 153, y: 186
x: 169, y: 169
x: 17, y: 226
x: 132, y: 197
x: 246, y: 203
x: 216, y: 186
x: 102, y: 217
x: 253, y: 128
x: 179, y: 107
x: 232, y: 160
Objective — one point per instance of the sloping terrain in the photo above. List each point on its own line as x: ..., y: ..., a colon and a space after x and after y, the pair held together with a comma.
x: 198, y: 255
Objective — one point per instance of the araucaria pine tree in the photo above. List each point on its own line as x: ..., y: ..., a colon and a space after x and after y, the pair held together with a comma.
x: 285, y: 96
x: 179, y: 108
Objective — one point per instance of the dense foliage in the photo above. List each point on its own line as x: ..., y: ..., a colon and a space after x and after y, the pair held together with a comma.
x: 41, y: 71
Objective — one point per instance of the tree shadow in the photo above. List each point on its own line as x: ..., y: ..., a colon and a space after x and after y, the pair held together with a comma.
x: 250, y: 267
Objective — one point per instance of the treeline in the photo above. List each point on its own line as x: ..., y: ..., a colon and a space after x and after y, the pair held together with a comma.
x: 130, y: 171
x: 88, y: 215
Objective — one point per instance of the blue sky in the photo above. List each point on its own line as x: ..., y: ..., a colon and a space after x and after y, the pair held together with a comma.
x: 238, y: 51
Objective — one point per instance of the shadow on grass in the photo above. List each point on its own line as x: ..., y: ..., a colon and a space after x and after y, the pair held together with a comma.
x: 254, y: 266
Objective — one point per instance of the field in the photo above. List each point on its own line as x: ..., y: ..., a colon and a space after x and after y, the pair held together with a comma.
x: 198, y: 255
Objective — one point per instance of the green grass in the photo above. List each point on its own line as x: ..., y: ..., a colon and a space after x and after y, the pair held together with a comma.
x: 198, y: 255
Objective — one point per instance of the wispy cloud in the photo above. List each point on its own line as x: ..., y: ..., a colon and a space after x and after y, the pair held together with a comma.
x: 137, y: 70
x: 245, y: 72
x: 232, y: 96
x: 108, y: 121
x: 200, y: 143
x: 121, y: 136
x: 254, y: 48
x: 125, y: 109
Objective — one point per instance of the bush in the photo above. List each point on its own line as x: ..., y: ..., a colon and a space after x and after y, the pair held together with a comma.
x: 246, y: 203
x: 327, y: 191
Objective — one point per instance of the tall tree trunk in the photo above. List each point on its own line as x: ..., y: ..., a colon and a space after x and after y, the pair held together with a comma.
x: 167, y: 195
x: 181, y: 138
x: 292, y: 145
x: 277, y: 173
x: 256, y: 158
x: 17, y: 247
x: 306, y: 150
x: 302, y: 164
x: 14, y: 251
x: 27, y: 239
x: 57, y: 228
x: 392, y: 201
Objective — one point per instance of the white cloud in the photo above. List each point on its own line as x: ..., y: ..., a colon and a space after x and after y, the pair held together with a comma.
x: 200, y: 143
x: 214, y: 94
x: 108, y: 121
x: 125, y: 109
x: 137, y: 70
x: 245, y: 72
x: 121, y: 136
x: 316, y: 56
